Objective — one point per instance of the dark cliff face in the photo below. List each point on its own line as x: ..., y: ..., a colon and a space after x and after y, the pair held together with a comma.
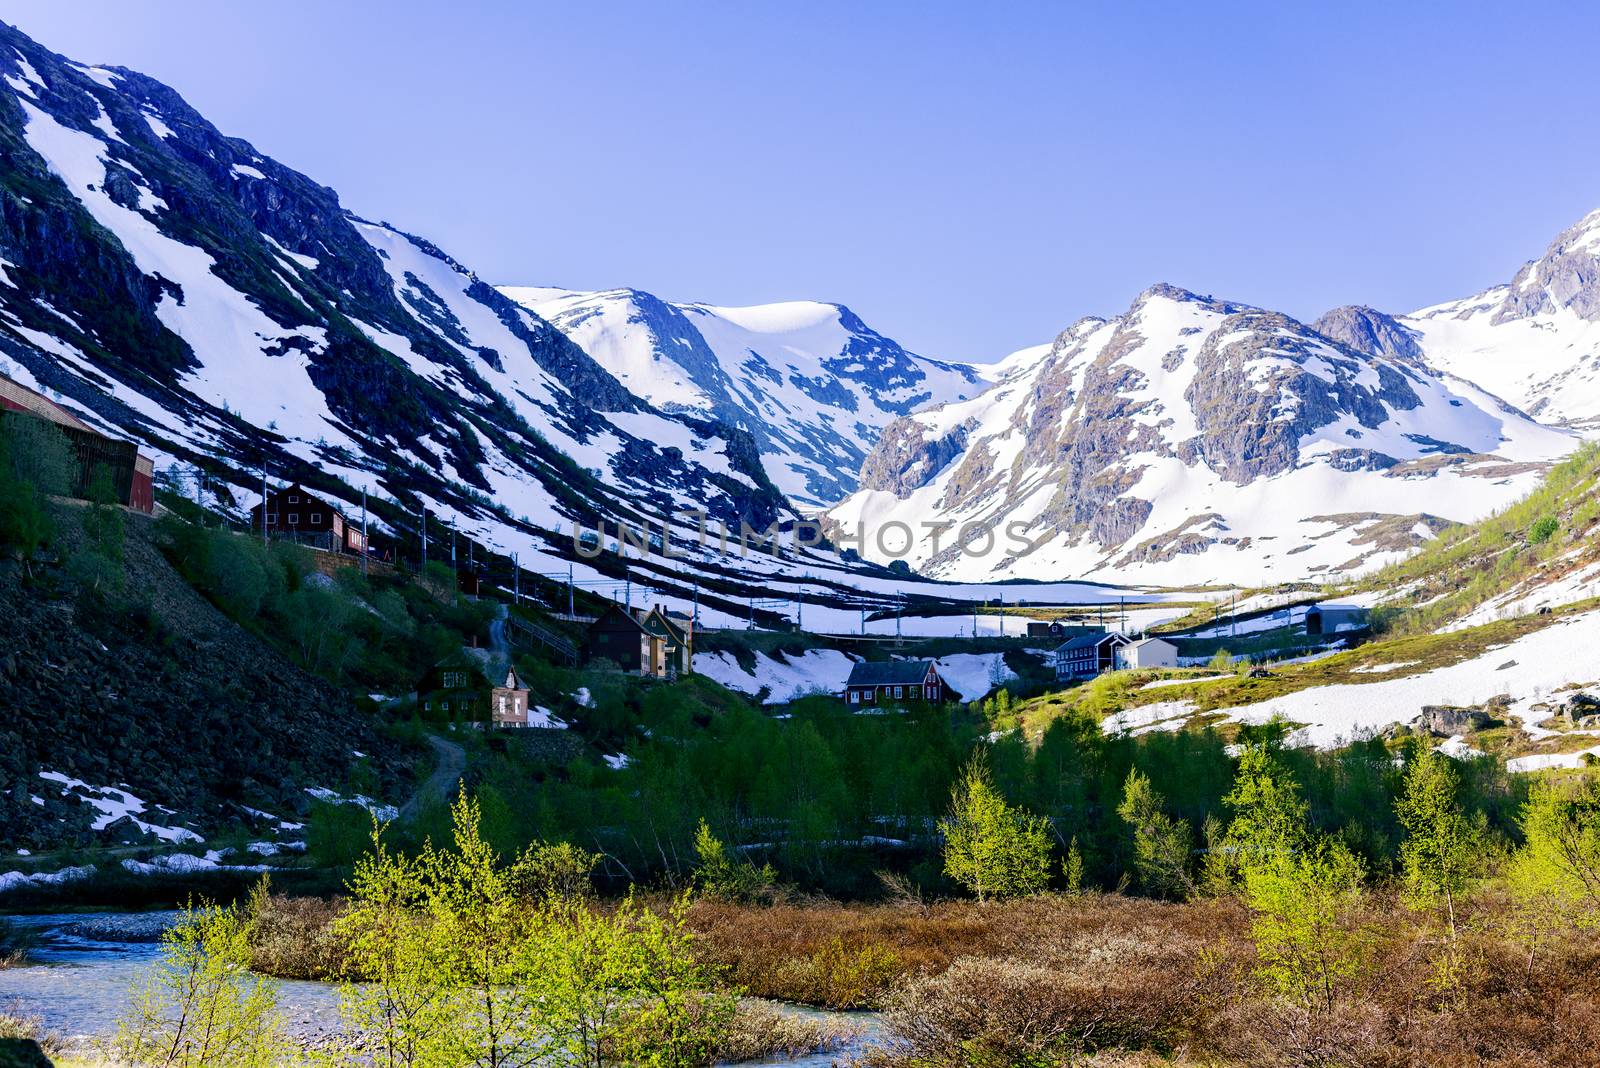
x: 104, y: 171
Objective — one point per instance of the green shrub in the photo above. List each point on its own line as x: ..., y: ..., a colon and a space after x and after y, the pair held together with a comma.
x: 1543, y: 529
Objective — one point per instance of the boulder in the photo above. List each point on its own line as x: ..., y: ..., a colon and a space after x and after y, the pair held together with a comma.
x: 22, y: 1053
x: 1447, y: 720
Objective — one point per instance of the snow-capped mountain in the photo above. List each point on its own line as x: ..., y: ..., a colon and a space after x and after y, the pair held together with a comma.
x: 1193, y: 439
x: 810, y: 382
x: 174, y: 285
x: 1534, y: 341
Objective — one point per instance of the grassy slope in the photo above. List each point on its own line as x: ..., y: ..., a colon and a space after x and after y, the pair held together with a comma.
x: 1470, y: 565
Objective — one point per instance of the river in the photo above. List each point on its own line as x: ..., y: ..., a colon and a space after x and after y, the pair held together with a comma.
x: 85, y: 964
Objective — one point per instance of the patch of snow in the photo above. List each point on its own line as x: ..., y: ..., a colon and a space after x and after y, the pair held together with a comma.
x: 1162, y: 683
x: 1136, y: 720
x: 1456, y: 748
x: 331, y: 797
x: 1546, y: 761
x: 785, y: 678
x: 112, y: 804
x: 973, y: 675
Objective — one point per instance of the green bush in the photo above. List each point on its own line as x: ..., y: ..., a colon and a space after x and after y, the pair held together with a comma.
x: 1543, y: 529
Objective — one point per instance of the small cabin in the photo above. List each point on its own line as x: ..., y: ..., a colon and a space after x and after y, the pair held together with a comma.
x: 1087, y: 655
x: 1052, y: 629
x: 1332, y: 618
x: 893, y: 682
x: 457, y: 689
x: 299, y: 515
x: 1147, y: 653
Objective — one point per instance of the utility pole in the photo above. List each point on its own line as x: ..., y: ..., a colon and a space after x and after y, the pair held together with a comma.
x: 264, y: 504
x: 1002, y: 615
x: 570, y: 610
x: 863, y: 621
x: 752, y: 624
x: 696, y: 606
x: 627, y: 593
x: 974, y: 620
x: 452, y: 544
x: 366, y: 549
x: 516, y: 580
x: 799, y: 609
x: 899, y: 604
x: 1122, y: 615
x: 424, y: 537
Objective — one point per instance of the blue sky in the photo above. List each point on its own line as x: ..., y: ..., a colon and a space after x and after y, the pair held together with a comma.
x: 969, y: 178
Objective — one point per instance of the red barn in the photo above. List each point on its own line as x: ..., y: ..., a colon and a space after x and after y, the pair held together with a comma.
x: 132, y: 475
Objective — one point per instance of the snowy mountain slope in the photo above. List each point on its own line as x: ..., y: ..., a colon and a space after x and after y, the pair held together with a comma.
x: 175, y: 286
x: 1535, y: 341
x: 810, y: 382
x: 1192, y: 439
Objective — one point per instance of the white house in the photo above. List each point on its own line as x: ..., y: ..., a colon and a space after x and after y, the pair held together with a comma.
x: 1147, y: 653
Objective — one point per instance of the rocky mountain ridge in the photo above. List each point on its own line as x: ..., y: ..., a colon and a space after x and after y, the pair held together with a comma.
x: 1194, y: 439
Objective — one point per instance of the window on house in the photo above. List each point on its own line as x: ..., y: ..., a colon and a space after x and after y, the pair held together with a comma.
x: 293, y: 499
x: 427, y: 706
x: 916, y: 691
x: 272, y: 518
x: 316, y: 517
x: 897, y: 692
x: 294, y: 519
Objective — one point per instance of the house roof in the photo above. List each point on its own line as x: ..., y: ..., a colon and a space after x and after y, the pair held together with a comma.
x: 616, y: 612
x: 1151, y: 641
x: 889, y: 673
x: 311, y: 498
x: 1336, y: 608
x: 673, y: 627
x: 1089, y: 641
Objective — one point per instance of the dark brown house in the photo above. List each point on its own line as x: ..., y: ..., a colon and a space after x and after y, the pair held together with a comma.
x: 298, y: 515
x: 894, y: 682
x: 618, y: 636
x: 458, y: 690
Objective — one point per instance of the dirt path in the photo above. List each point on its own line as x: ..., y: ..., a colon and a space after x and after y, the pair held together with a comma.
x: 441, y: 785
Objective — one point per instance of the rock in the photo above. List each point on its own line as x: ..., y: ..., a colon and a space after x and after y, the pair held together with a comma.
x: 1446, y: 720
x: 22, y: 1053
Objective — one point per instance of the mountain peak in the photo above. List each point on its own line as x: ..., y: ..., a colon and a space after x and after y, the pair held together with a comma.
x: 1566, y: 277
x: 1369, y: 330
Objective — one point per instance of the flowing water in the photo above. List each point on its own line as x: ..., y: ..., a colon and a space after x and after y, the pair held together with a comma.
x: 84, y: 965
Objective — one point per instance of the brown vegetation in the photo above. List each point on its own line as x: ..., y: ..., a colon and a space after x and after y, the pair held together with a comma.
x: 1111, y: 979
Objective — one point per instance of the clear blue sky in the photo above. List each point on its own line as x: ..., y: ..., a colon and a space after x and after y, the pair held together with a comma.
x: 970, y: 178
